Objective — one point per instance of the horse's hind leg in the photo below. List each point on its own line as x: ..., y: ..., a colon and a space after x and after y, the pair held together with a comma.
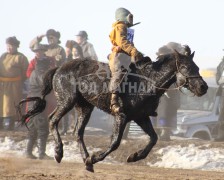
x: 118, y: 129
x: 84, y: 111
x: 63, y: 106
x: 146, y: 125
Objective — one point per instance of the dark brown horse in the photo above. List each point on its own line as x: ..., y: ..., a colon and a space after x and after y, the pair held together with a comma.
x: 76, y: 84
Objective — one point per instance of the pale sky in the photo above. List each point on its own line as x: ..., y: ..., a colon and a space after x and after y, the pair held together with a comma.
x: 198, y: 23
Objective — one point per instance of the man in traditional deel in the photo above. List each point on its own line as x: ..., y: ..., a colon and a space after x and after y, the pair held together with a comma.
x: 53, y: 48
x: 13, y: 66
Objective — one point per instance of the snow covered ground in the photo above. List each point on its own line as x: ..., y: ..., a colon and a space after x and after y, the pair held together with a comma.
x: 191, y: 157
x: 173, y: 156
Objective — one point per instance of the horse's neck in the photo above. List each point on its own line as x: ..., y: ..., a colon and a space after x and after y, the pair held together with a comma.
x: 165, y: 75
x: 168, y: 71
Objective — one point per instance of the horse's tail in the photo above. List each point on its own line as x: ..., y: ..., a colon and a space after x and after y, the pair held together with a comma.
x: 37, y: 108
x: 40, y: 103
x: 47, y: 86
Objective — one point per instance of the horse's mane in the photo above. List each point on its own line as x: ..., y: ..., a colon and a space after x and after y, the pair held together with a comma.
x: 165, y: 53
x: 161, y: 60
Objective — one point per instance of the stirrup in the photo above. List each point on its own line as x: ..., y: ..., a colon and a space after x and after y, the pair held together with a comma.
x: 115, y: 109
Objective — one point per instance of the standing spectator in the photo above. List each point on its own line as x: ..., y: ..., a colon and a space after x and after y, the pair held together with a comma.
x: 38, y: 125
x: 53, y: 48
x: 13, y: 66
x: 73, y: 50
x: 40, y: 55
x: 167, y: 113
x: 87, y: 48
x: 220, y: 82
x: 170, y: 101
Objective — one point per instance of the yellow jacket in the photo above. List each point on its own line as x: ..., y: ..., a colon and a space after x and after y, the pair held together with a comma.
x: 118, y: 38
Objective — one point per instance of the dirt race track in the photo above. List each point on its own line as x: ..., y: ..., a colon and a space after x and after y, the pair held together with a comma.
x: 24, y: 169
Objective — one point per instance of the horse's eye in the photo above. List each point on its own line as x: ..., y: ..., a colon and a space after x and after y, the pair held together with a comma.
x: 183, y: 69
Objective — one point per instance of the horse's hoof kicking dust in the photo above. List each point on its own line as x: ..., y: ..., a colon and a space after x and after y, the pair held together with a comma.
x: 89, y: 165
x: 132, y: 157
x: 57, y: 158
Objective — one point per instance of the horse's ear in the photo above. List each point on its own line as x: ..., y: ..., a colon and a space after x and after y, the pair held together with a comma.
x: 187, y: 50
x: 192, y: 55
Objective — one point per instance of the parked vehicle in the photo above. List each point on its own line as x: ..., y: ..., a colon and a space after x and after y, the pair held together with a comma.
x: 198, y: 116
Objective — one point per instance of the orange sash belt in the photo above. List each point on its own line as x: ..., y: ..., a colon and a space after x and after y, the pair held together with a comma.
x: 10, y: 79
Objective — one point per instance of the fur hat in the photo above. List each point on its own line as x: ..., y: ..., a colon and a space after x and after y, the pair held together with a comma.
x: 83, y: 34
x: 13, y: 41
x: 39, y: 47
x: 52, y: 32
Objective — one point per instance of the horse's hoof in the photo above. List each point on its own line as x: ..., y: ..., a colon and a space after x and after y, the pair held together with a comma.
x: 57, y: 158
x: 89, y: 164
x: 90, y: 168
x: 132, y: 157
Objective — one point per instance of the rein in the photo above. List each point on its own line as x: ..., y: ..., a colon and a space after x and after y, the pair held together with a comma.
x: 172, y: 89
x: 180, y: 86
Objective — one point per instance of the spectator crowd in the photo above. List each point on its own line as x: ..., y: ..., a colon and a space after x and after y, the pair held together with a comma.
x: 21, y: 78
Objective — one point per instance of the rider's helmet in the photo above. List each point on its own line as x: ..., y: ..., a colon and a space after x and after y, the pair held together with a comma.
x: 124, y: 15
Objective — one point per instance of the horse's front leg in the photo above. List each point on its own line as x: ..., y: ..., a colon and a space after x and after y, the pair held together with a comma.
x: 118, y: 129
x: 83, y: 118
x: 146, y: 125
x: 54, y: 119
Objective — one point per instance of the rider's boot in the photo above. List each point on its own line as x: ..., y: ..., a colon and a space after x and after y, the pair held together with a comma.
x: 114, y: 104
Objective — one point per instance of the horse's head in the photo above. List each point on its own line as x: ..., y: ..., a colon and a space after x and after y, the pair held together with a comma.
x: 188, y: 73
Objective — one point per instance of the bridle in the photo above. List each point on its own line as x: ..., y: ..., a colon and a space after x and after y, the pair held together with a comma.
x: 178, y: 71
